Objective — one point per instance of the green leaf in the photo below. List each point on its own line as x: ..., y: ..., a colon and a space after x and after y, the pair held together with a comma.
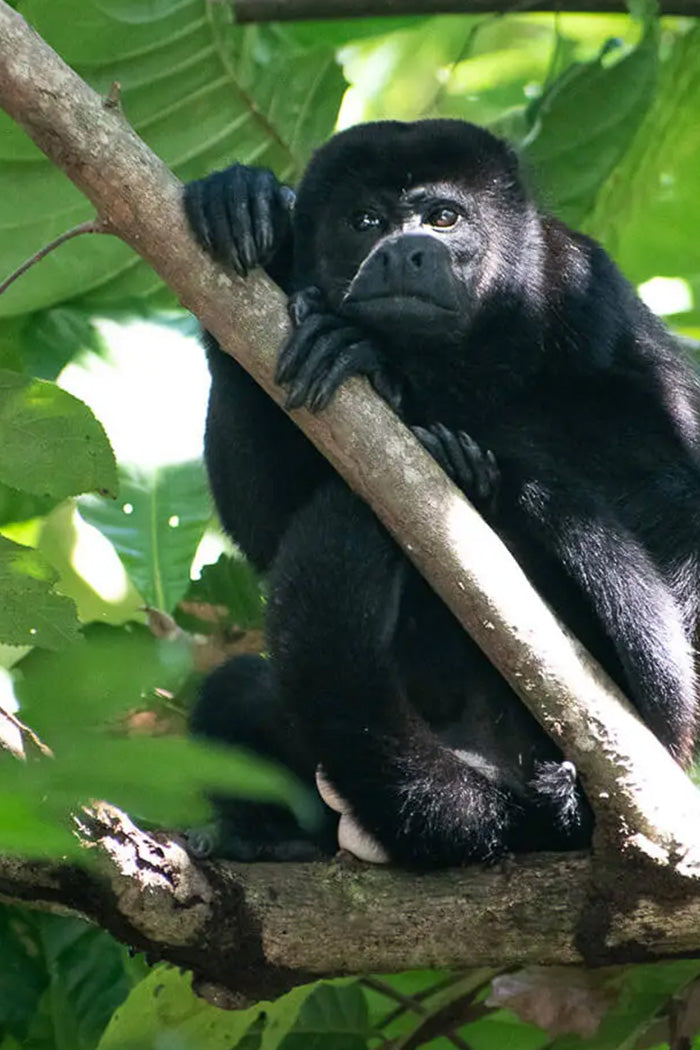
x: 163, y: 1007
x: 51, y: 445
x: 86, y: 982
x: 52, y: 338
x: 230, y: 585
x: 27, y: 827
x: 312, y: 1017
x: 156, y: 526
x: 162, y: 1010
x: 201, y: 91
x: 649, y: 211
x: 76, y: 699
x: 21, y: 506
x: 23, y: 976
x: 107, y: 672
x: 610, y: 102
x: 31, y: 613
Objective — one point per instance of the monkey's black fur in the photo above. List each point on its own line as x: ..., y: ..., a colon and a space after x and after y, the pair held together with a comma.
x: 529, y: 368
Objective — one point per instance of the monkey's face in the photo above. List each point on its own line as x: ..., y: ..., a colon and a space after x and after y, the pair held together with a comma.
x: 415, y: 261
x: 408, y: 235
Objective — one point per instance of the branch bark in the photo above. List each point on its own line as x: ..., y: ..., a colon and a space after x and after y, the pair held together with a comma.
x: 137, y: 198
x: 255, y: 930
x: 303, y: 10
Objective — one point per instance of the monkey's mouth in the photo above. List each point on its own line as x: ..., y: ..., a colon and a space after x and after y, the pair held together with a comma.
x: 400, y: 313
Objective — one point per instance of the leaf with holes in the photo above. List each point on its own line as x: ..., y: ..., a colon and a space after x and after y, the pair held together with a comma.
x: 156, y: 526
x: 31, y: 612
x: 51, y: 445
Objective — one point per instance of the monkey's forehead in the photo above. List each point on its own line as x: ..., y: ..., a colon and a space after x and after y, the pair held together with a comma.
x: 398, y: 155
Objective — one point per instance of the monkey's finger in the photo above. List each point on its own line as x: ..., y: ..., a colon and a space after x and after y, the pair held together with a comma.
x: 269, y: 215
x: 472, y: 452
x: 303, y: 304
x: 494, y: 475
x: 459, y: 465
x: 196, y: 214
x: 386, y: 387
x: 300, y: 343
x: 297, y: 347
x: 238, y: 201
x: 312, y: 369
x: 221, y: 231
x: 432, y: 444
x: 355, y: 359
x: 323, y: 360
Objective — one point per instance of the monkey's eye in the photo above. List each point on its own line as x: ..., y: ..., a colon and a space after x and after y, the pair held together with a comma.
x: 442, y: 218
x: 365, y: 220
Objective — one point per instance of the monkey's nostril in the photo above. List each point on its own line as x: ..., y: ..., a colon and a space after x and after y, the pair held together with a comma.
x: 416, y: 260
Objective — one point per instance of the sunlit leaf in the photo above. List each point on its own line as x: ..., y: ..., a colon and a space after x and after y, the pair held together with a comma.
x: 162, y: 1010
x: 201, y: 91
x: 106, y: 673
x: 31, y: 612
x: 156, y: 526
x: 610, y: 100
x: 649, y: 211
x: 51, y: 445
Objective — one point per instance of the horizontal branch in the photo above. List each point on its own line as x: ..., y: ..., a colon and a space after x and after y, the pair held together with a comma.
x: 304, y: 10
x: 258, y: 929
x: 139, y: 199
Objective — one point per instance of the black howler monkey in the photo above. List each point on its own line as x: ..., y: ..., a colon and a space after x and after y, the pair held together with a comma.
x: 529, y: 368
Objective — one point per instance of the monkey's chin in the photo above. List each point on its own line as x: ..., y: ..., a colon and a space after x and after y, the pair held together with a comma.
x: 402, y: 316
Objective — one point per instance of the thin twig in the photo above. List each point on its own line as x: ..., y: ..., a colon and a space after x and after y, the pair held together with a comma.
x: 91, y: 226
x: 417, y: 999
x: 43, y: 748
x: 408, y: 1002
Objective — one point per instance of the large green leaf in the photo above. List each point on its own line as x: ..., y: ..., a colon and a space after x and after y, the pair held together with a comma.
x: 86, y: 982
x: 78, y: 701
x: 60, y: 980
x: 327, y: 1014
x: 311, y: 1017
x: 162, y: 1010
x: 31, y: 613
x: 156, y: 526
x: 20, y: 506
x: 103, y: 675
x: 51, y: 445
x: 201, y: 91
x: 23, y: 975
x: 610, y: 101
x: 648, y: 213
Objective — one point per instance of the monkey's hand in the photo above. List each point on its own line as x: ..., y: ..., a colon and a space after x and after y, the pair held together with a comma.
x: 473, y: 470
x: 323, y: 351
x: 240, y: 216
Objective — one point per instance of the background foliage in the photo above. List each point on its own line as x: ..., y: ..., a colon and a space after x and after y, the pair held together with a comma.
x: 117, y: 589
